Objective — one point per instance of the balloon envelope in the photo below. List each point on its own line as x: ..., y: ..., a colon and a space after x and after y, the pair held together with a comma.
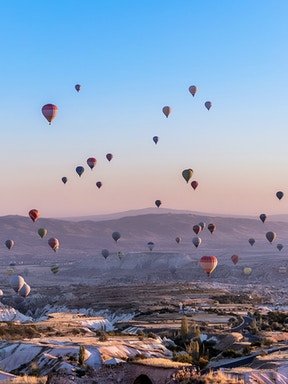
x: 91, y: 162
x: 54, y: 243
x: 158, y: 203
x: 279, y: 194
x: 166, y: 110
x: 187, y: 174
x: 17, y: 282
x: 42, y: 232
x: 116, y: 236
x: 155, y: 139
x: 193, y: 90
x: 64, y: 180
x: 247, y: 271
x: 79, y: 170
x: 235, y: 259
x: 202, y: 225
x: 208, y: 263
x: 270, y: 236
x: 150, y: 245
x: 77, y: 87
x: 105, y: 253
x: 208, y: 105
x: 9, y: 244
x: 211, y: 227
x: 263, y: 217
x: 197, y: 229
x: 109, y: 156
x: 178, y: 239
x: 34, y: 215
x: 279, y: 247
x: 99, y: 184
x: 24, y: 290
x: 196, y: 241
x: 49, y: 111
x: 251, y: 241
x: 194, y: 184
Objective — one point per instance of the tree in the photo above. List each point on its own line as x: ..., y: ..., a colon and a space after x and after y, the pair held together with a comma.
x: 184, y: 327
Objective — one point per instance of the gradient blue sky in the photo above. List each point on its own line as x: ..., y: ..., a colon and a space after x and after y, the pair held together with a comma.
x: 132, y: 58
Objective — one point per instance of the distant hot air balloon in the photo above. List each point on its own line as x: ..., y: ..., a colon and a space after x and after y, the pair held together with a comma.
x: 116, y: 236
x: 24, y: 290
x: 251, y: 241
x: 150, y: 245
x: 155, y: 139
x: 99, y: 184
x: 208, y: 105
x: 193, y: 90
x: 178, y: 239
x: 42, y: 232
x: 17, y: 282
x: 202, y: 225
x: 9, y: 244
x: 235, y: 259
x: 279, y: 194
x: 34, y: 215
x: 197, y: 229
x: 109, y: 156
x: 270, y: 236
x: 54, y: 268
x: 196, y: 241
x: 208, y: 263
x: 77, y: 87
x: 91, y: 162
x: 279, y: 247
x: 263, y: 217
x: 105, y: 253
x: 247, y: 271
x: 49, y: 111
x: 120, y: 255
x: 158, y: 203
x: 166, y: 110
x: 79, y: 170
x: 211, y: 227
x: 187, y: 174
x: 64, y: 180
x: 194, y: 184
x: 54, y: 243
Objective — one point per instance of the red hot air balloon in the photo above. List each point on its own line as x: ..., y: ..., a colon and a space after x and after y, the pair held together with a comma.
x: 158, y: 203
x: 91, y: 162
x: 49, y: 111
x: 194, y: 184
x: 193, y: 90
x: 78, y: 87
x: 211, y: 227
x: 235, y: 259
x: 34, y: 215
x: 54, y: 243
x: 208, y: 263
x: 208, y: 105
x: 197, y: 229
x: 109, y: 156
x: 99, y: 184
x: 166, y: 110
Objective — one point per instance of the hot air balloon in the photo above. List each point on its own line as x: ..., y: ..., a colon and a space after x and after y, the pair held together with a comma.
x: 49, y: 111
x: 196, y: 241
x: 193, y: 90
x: 166, y: 110
x: 64, y: 180
x: 158, y: 203
x: 91, y: 162
x: 202, y: 225
x: 197, y: 229
x: 251, y: 242
x: 42, y: 232
x: 120, y: 255
x: 79, y: 170
x: 263, y: 217
x: 109, y: 156
x: 208, y: 105
x: 34, y: 215
x: 17, y: 282
x: 105, y: 253
x: 178, y: 239
x: 99, y: 184
x: 187, y: 174
x: 247, y: 271
x: 270, y: 236
x: 24, y: 290
x: 54, y: 268
x: 279, y: 247
x: 77, y: 87
x: 211, y: 227
x: 9, y: 244
x: 279, y: 194
x: 155, y: 139
x: 54, y: 243
x: 150, y: 245
x: 208, y: 263
x: 235, y: 259
x: 116, y: 236
x: 194, y: 184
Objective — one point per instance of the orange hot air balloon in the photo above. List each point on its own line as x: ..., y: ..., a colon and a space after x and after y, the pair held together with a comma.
x: 193, y: 90
x: 166, y: 110
x: 34, y: 215
x: 208, y: 263
x: 49, y: 111
x: 235, y: 259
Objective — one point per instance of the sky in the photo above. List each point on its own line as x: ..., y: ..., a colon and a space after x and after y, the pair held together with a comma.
x: 132, y: 58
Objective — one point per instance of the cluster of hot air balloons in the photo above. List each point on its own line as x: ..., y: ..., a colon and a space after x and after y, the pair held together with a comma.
x: 19, y: 285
